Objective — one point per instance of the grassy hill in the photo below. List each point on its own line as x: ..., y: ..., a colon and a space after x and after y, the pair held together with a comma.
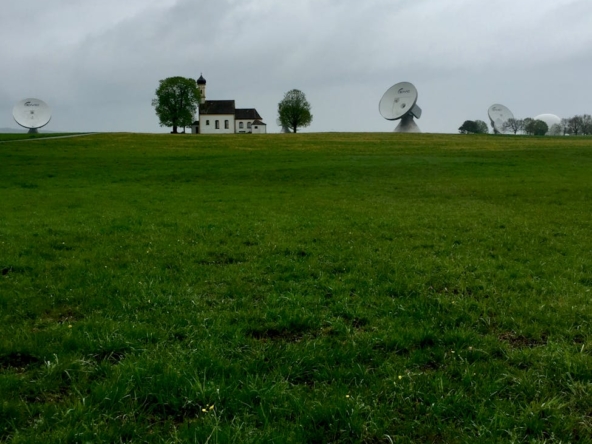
x: 296, y: 288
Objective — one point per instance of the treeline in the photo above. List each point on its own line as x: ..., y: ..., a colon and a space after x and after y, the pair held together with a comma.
x: 580, y: 125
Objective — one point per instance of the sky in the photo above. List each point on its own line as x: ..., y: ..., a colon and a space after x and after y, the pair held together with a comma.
x: 97, y: 63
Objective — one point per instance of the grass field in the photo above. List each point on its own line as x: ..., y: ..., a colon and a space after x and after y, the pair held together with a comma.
x: 9, y: 137
x: 296, y: 288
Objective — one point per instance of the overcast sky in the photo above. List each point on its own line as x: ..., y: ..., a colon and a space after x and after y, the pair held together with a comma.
x: 97, y: 63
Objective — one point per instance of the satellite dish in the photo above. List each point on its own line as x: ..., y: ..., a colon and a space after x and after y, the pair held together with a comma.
x: 285, y: 129
x: 400, y: 102
x: 499, y: 115
x: 32, y: 114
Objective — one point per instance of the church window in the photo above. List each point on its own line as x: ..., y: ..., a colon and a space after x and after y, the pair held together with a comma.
x: 249, y: 125
x: 240, y: 125
x: 217, y: 124
x: 226, y: 124
x: 207, y: 123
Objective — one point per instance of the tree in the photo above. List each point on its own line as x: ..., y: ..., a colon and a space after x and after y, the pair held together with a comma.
x: 540, y: 128
x: 468, y: 127
x: 473, y: 127
x: 528, y: 126
x: 575, y: 124
x: 565, y: 126
x: 176, y: 102
x: 586, y: 124
x: 482, y: 127
x: 535, y: 127
x: 294, y: 110
x: 556, y: 130
x: 513, y: 125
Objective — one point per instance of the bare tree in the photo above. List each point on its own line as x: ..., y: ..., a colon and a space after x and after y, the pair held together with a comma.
x: 513, y: 125
x: 575, y: 125
x: 587, y: 124
x: 565, y: 126
x: 556, y: 130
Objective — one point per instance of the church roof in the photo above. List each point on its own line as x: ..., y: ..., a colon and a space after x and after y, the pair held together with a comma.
x: 201, y: 80
x: 259, y: 122
x: 247, y: 113
x: 217, y: 107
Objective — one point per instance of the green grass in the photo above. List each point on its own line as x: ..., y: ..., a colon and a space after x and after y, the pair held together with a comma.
x: 5, y: 137
x: 296, y: 288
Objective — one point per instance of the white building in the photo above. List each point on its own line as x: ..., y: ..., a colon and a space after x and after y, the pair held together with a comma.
x: 222, y: 116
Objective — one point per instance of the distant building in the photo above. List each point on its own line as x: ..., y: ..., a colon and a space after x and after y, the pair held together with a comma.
x: 222, y: 116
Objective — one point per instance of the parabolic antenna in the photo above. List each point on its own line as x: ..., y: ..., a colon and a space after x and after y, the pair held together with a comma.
x: 549, y: 119
x: 32, y: 114
x: 400, y: 102
x: 499, y: 115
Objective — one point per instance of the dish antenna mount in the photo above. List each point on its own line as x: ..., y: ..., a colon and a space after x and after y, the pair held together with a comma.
x: 285, y: 129
x: 498, y: 116
x: 399, y: 102
x: 32, y: 114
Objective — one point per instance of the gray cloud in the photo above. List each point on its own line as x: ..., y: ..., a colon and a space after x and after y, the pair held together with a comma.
x: 98, y: 63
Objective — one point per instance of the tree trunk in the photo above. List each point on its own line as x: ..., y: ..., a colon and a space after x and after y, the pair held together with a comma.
x: 174, y: 130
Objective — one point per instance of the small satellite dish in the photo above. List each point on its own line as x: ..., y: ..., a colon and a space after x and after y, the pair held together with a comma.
x: 32, y: 114
x: 499, y: 115
x: 400, y: 102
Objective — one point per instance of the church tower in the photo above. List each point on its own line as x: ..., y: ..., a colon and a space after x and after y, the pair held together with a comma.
x: 201, y: 84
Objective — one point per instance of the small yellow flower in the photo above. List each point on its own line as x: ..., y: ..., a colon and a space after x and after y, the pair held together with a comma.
x: 347, y: 396
x: 204, y: 410
x: 212, y: 407
x: 400, y: 377
x: 70, y: 326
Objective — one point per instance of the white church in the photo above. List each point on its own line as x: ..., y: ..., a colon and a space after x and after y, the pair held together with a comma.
x: 223, y: 117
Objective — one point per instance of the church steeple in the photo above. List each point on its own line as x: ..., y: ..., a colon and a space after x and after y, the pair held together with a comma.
x: 201, y: 84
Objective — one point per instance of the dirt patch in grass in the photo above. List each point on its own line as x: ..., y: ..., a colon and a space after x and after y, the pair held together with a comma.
x: 520, y: 341
x: 19, y: 361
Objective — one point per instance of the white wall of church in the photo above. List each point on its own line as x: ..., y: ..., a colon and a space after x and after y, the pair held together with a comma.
x: 216, y: 124
x: 245, y: 127
x: 259, y: 129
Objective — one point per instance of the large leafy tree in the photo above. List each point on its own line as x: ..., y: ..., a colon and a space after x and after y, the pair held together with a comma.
x: 176, y: 101
x: 535, y: 127
x: 473, y: 127
x: 481, y: 127
x: 294, y: 110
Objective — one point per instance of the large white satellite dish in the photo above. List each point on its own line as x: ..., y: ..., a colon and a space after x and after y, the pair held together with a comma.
x: 32, y: 114
x: 499, y: 115
x: 400, y: 102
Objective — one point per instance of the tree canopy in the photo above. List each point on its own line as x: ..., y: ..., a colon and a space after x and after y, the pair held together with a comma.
x: 176, y: 102
x: 294, y: 110
x: 473, y: 127
x: 482, y: 127
x: 535, y: 127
